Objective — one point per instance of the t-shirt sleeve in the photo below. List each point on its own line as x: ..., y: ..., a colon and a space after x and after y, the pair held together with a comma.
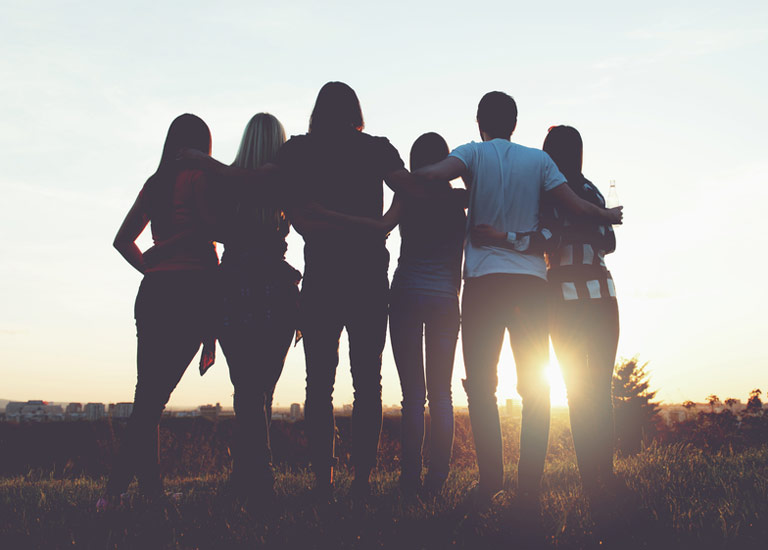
x: 388, y: 157
x: 551, y: 176
x: 467, y: 154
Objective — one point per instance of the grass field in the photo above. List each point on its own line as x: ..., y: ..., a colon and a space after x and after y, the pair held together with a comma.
x: 677, y: 497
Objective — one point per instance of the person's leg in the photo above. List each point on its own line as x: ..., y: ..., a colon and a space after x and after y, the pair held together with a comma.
x: 529, y: 338
x: 255, y: 353
x: 367, y: 330
x: 406, y: 331
x: 321, y: 328
x: 585, y: 335
x: 442, y: 330
x: 483, y: 327
x: 167, y: 340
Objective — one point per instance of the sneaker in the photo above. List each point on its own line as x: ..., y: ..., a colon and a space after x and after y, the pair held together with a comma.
x: 110, y: 503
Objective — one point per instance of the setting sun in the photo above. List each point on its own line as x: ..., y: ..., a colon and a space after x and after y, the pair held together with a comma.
x: 508, y: 378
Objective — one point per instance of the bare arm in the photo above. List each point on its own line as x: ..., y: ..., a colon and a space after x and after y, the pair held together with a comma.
x: 263, y: 177
x: 315, y: 213
x: 446, y: 170
x: 565, y: 198
x: 125, y: 240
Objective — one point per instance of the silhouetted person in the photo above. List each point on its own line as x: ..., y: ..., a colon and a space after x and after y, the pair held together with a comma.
x: 260, y: 307
x: 173, y: 306
x: 505, y: 289
x: 341, y: 169
x: 584, y: 316
x: 424, y: 317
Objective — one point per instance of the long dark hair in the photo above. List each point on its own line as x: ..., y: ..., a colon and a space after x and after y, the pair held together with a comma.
x: 428, y: 149
x: 564, y: 145
x: 186, y: 132
x: 336, y: 109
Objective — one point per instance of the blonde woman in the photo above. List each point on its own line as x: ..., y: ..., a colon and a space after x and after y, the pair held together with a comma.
x: 259, y: 307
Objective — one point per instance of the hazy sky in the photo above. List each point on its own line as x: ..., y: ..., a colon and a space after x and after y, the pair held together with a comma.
x: 669, y: 98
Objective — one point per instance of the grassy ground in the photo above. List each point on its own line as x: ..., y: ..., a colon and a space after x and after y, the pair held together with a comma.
x: 676, y: 497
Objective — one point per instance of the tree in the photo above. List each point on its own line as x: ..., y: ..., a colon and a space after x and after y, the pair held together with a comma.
x: 731, y: 403
x: 755, y: 404
x: 635, y: 415
x: 713, y: 401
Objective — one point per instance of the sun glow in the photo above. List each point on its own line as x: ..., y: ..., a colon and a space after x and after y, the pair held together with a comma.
x: 507, y: 388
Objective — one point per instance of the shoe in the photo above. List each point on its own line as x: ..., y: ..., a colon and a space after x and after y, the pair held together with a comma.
x: 433, y: 485
x: 479, y: 499
x: 110, y: 503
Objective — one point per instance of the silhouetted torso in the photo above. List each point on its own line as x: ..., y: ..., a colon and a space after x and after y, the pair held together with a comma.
x: 184, y: 216
x: 432, y: 241
x: 343, y: 172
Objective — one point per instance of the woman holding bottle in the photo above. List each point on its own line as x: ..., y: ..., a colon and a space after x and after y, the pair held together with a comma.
x: 584, y: 321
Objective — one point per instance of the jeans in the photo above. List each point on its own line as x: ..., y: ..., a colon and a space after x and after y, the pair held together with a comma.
x: 255, y: 340
x: 328, y: 305
x: 585, y: 334
x: 417, y: 320
x: 492, y: 304
x: 172, y: 314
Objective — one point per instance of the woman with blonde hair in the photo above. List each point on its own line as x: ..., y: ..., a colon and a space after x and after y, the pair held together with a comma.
x: 259, y: 306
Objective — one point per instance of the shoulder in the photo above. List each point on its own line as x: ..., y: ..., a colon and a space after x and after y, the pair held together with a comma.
x: 294, y: 146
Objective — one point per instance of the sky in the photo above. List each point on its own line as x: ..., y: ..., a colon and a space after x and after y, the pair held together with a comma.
x: 669, y: 98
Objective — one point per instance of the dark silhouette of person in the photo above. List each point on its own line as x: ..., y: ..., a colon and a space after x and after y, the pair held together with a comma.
x: 584, y: 321
x: 424, y: 317
x: 173, y: 306
x: 337, y: 167
x: 259, y: 292
x: 505, y: 290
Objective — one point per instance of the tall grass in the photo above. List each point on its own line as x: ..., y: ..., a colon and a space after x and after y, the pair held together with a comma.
x: 676, y: 496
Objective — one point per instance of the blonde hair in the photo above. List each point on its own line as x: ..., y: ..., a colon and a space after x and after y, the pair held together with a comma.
x: 262, y: 137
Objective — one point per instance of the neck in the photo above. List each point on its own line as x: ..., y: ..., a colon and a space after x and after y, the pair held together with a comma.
x: 487, y: 137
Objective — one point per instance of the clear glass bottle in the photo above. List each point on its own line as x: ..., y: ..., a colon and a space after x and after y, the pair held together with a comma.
x: 612, y: 200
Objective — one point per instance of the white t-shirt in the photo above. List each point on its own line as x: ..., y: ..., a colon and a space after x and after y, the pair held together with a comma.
x: 505, y: 182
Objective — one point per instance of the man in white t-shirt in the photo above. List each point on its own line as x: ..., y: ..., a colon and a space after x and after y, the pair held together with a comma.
x: 505, y: 289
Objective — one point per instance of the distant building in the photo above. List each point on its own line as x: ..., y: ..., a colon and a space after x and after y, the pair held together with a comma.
x: 94, y: 411
x: 74, y: 411
x: 210, y: 411
x: 346, y: 409
x: 33, y: 411
x: 295, y: 411
x: 121, y: 410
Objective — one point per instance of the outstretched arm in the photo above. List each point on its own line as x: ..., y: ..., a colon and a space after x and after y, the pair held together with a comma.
x: 316, y: 217
x: 564, y: 197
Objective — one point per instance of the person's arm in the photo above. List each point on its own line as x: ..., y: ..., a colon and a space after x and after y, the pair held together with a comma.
x: 529, y: 242
x: 337, y: 220
x: 564, y: 197
x: 125, y: 240
x: 258, y: 181
x: 447, y: 169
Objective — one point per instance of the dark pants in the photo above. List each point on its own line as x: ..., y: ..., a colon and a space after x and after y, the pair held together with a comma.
x: 417, y: 320
x: 327, y: 306
x: 172, y: 310
x: 492, y: 304
x: 585, y: 335
x: 255, y: 340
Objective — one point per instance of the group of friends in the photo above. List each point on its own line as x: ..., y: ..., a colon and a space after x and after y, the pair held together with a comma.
x: 532, y: 233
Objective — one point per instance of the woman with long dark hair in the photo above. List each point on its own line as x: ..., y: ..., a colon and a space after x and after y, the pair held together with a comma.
x: 337, y: 167
x: 424, y: 317
x: 173, y: 304
x: 584, y: 321
x: 260, y: 306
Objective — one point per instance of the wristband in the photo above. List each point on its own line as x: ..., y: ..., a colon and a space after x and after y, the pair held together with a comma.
x: 511, y: 237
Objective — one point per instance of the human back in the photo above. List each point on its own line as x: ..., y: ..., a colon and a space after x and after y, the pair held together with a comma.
x: 505, y: 182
